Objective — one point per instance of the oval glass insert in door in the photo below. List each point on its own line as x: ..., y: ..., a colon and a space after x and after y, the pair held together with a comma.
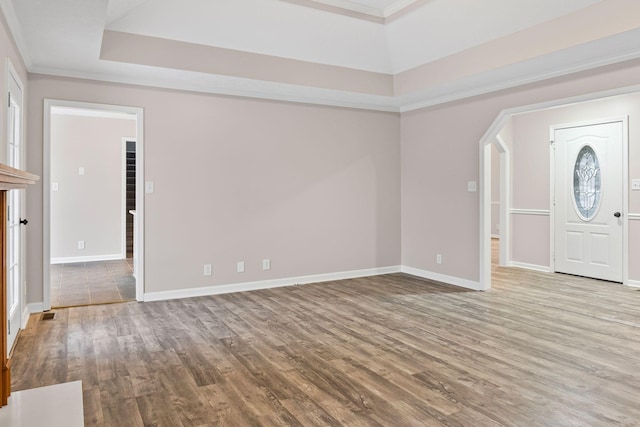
x: 587, y: 183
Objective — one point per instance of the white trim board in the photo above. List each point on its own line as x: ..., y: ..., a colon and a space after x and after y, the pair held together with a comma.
x: 354, y: 6
x: 442, y: 278
x: 358, y: 10
x: 528, y: 266
x: 305, y: 280
x: 634, y: 216
x: 29, y: 309
x: 504, y: 152
x: 633, y: 283
x: 267, y: 284
x: 35, y: 307
x: 69, y: 260
x: 25, y: 317
x: 539, y: 212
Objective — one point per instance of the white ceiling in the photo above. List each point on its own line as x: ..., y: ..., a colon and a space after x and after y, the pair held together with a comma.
x: 63, y: 37
x: 380, y: 9
x: 374, y: 8
x: 272, y: 27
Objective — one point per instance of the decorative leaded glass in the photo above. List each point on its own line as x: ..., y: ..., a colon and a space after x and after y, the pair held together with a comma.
x: 587, y: 183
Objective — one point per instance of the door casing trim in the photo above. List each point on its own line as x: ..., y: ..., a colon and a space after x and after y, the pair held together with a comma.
x: 12, y: 73
x: 46, y: 185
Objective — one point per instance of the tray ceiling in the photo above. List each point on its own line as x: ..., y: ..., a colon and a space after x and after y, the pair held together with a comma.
x: 79, y: 38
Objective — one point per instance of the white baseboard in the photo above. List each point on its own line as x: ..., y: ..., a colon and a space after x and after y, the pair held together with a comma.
x: 534, y: 267
x: 29, y: 309
x: 449, y: 280
x: 266, y: 284
x: 69, y: 260
x: 25, y: 316
x: 35, y: 307
x: 633, y: 283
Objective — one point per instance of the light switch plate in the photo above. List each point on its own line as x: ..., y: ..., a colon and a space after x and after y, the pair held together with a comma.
x: 635, y: 184
x: 80, y: 170
x: 148, y: 187
x: 54, y: 186
x: 240, y: 266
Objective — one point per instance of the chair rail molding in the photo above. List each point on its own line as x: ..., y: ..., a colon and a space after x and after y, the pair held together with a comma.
x: 538, y: 212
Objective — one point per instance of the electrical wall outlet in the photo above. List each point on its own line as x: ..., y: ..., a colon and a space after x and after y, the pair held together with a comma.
x: 240, y: 266
x: 472, y: 186
x: 80, y: 244
x: 439, y: 258
x: 266, y: 264
x: 207, y: 269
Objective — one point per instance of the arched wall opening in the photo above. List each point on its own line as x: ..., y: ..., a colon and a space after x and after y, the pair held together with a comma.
x: 493, y: 137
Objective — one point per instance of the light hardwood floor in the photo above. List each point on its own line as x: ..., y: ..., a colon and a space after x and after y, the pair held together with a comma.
x: 536, y: 350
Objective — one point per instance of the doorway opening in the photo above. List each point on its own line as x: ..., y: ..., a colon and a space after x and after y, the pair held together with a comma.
x: 91, y: 245
x: 527, y: 236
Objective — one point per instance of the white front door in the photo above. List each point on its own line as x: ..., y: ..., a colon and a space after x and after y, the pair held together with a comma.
x: 14, y: 202
x: 588, y: 193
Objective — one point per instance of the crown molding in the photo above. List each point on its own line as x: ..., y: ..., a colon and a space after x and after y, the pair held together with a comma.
x: 489, y: 82
x: 353, y: 6
x: 261, y: 90
x: 16, y: 31
x: 358, y: 10
x: 397, y: 7
x: 614, y: 49
x: 499, y: 79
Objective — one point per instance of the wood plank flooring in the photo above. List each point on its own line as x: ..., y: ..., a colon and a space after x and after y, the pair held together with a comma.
x: 536, y: 350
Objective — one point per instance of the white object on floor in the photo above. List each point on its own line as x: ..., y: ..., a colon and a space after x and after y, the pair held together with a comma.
x: 57, y: 405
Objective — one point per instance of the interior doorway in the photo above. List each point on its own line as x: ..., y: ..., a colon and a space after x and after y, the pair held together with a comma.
x: 92, y: 190
x: 533, y: 210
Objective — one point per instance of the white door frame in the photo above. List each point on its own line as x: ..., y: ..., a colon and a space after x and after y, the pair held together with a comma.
x: 505, y: 201
x: 489, y: 138
x: 625, y: 188
x: 46, y: 193
x: 13, y: 74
